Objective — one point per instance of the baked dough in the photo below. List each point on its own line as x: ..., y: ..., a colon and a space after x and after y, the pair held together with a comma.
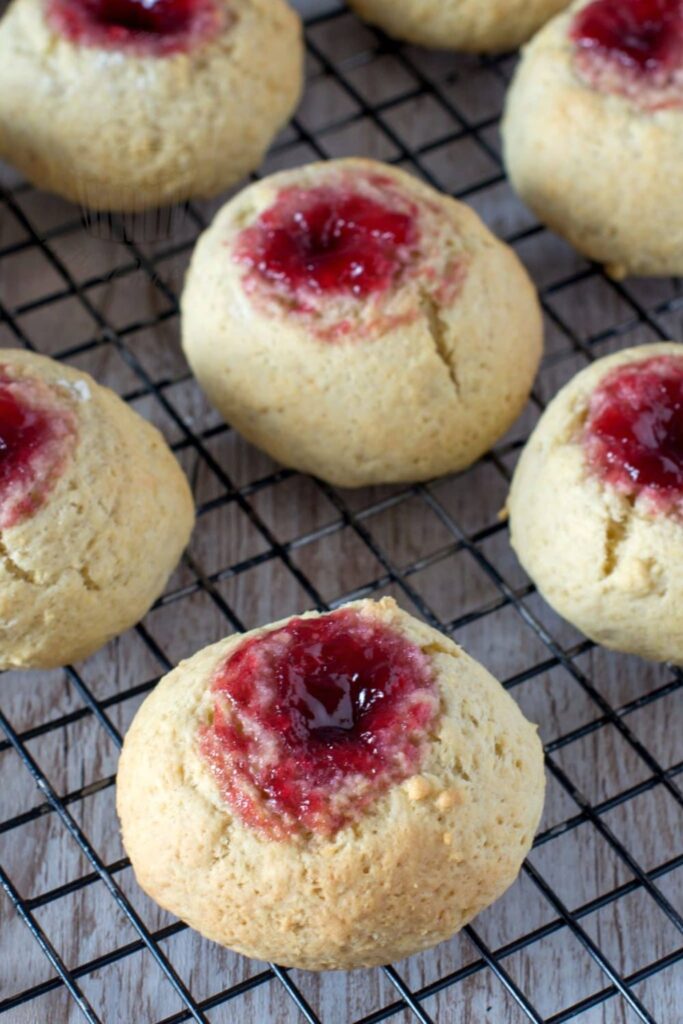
x: 478, y: 26
x: 408, y: 871
x: 123, y: 127
x: 411, y: 380
x: 606, y: 560
x: 597, y: 152
x: 93, y: 516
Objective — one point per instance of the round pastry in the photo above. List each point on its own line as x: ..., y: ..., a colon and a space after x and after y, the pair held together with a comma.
x: 331, y: 791
x: 596, y: 504
x: 94, y: 513
x: 478, y: 26
x: 593, y: 132
x: 358, y: 325
x: 130, y: 104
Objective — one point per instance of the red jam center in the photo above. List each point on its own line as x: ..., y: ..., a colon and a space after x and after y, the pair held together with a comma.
x: 634, y: 433
x: 644, y: 35
x: 328, y: 240
x: 154, y: 27
x: 35, y: 439
x: 313, y: 721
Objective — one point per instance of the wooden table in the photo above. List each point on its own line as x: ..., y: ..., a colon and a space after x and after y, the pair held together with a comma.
x: 604, y: 883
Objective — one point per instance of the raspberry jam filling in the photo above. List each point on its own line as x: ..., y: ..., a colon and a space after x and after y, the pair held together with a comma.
x: 313, y: 721
x: 638, y: 33
x: 328, y: 241
x: 634, y: 432
x: 631, y: 46
x: 145, y: 27
x: 36, y: 438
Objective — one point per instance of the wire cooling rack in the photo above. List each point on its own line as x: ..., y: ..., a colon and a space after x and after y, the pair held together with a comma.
x: 593, y: 930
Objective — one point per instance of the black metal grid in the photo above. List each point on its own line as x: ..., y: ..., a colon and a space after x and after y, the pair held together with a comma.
x: 463, y: 97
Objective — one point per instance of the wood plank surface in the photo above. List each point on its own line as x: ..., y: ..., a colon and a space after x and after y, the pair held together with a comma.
x: 610, y: 862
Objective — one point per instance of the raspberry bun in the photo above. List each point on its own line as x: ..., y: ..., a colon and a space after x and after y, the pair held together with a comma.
x: 479, y: 26
x: 358, y: 325
x: 596, y: 504
x: 128, y: 104
x: 331, y: 791
x: 94, y: 513
x: 593, y: 132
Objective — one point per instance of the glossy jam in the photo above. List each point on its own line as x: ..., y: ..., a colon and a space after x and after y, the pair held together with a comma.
x: 35, y: 440
x: 313, y: 721
x: 328, y: 241
x: 641, y: 34
x: 146, y: 27
x: 634, y: 432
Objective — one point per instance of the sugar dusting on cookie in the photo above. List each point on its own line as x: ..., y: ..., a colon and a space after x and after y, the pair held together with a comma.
x: 80, y: 389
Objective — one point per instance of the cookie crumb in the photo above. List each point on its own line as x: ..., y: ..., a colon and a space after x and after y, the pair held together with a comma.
x: 640, y: 577
x: 449, y: 798
x: 417, y: 787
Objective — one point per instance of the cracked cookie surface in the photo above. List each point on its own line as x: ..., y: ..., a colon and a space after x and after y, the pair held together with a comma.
x: 594, y: 511
x: 359, y: 325
x: 109, y: 514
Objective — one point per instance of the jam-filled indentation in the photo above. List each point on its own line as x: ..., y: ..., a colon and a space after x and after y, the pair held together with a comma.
x: 313, y: 721
x: 328, y: 241
x: 37, y: 435
x: 143, y: 27
x: 632, y: 47
x: 634, y: 432
x: 640, y: 33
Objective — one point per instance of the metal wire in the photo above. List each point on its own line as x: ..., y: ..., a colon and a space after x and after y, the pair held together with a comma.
x: 355, y: 110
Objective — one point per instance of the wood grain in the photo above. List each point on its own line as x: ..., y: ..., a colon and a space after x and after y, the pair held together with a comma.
x: 413, y: 534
